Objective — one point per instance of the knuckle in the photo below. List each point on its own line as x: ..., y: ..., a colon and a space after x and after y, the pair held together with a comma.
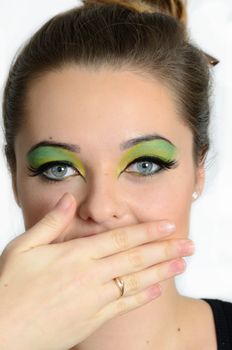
x: 135, y: 259
x: 120, y: 239
x: 50, y: 220
x: 149, y: 231
x: 132, y: 284
x: 76, y: 250
x: 121, y: 307
x: 84, y: 277
x: 168, y: 249
x: 139, y: 299
x: 160, y: 273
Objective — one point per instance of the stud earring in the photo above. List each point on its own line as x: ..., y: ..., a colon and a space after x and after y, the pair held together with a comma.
x: 195, y: 195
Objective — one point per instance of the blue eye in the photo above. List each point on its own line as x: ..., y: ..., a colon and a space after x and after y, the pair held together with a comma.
x: 54, y: 171
x: 143, y: 166
x: 59, y: 172
x: 148, y: 165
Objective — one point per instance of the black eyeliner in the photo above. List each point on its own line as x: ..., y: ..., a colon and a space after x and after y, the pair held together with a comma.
x: 37, y: 171
x: 163, y: 164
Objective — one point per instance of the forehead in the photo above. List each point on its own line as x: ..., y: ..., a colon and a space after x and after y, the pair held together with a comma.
x: 78, y: 104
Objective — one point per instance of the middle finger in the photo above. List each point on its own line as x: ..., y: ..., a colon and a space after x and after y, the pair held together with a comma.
x: 142, y: 257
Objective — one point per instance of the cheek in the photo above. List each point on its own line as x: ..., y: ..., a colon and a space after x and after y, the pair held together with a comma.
x: 37, y: 201
x: 164, y: 201
x: 35, y: 206
x: 37, y: 197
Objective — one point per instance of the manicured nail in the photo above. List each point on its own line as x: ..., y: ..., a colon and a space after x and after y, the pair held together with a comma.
x: 65, y: 202
x: 155, y: 291
x: 178, y: 265
x: 187, y: 246
x: 166, y: 227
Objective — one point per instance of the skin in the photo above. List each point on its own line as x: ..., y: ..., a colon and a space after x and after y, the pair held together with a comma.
x: 99, y: 110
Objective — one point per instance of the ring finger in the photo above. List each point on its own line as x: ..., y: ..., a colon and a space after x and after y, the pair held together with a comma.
x: 136, y: 282
x: 140, y: 258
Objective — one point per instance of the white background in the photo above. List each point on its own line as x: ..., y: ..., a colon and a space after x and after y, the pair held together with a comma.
x: 209, y: 271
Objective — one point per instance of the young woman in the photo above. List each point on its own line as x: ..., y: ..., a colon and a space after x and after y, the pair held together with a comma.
x: 106, y: 111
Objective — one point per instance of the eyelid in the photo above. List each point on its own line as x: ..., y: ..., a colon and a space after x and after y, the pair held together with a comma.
x: 49, y: 154
x: 159, y: 149
x: 53, y: 163
x: 46, y: 166
x: 163, y: 164
x: 149, y: 158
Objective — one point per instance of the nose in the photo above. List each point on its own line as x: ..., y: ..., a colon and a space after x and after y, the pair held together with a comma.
x: 102, y: 202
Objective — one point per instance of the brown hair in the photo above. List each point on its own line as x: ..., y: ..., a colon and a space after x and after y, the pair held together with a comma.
x: 175, y: 8
x: 144, y: 36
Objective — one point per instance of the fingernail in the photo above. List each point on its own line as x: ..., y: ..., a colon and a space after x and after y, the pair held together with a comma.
x: 65, y: 202
x: 178, y: 265
x: 187, y: 247
x: 166, y: 227
x: 155, y: 291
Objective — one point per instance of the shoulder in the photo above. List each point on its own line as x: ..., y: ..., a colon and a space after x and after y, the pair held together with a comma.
x: 222, y: 311
x: 221, y: 308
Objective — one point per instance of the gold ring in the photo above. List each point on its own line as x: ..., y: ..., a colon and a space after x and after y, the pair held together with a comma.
x: 120, y: 285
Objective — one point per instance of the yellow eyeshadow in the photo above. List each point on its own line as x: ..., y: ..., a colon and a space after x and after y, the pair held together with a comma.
x: 45, y: 154
x: 156, y: 148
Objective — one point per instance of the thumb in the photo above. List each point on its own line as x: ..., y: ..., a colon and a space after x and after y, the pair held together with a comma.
x: 49, y: 227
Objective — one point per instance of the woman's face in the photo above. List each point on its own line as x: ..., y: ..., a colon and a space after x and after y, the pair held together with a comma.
x: 99, y: 113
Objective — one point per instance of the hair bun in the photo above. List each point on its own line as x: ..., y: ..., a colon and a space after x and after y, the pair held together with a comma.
x: 175, y: 8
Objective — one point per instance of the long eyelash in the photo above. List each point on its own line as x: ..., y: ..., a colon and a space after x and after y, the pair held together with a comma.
x: 39, y: 171
x: 164, y: 164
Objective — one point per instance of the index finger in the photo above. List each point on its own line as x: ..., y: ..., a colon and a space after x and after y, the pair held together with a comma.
x: 124, y: 238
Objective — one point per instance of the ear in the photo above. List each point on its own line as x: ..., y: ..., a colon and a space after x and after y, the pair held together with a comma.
x: 14, y: 187
x: 200, y: 178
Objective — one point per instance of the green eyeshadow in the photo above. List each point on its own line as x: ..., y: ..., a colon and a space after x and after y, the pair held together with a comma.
x: 45, y: 154
x: 156, y: 148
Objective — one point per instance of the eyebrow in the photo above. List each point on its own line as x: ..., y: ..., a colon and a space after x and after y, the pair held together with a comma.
x: 123, y: 146
x: 132, y: 142
x: 69, y: 146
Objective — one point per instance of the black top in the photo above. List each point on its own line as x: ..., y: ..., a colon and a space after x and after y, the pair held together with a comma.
x: 222, y: 311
